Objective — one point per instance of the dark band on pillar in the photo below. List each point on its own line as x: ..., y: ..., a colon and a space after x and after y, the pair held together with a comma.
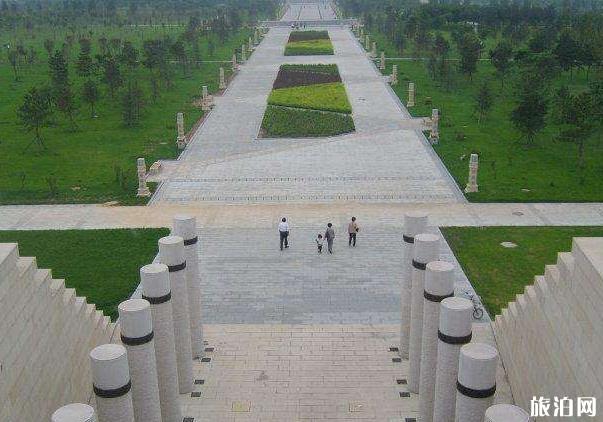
x: 435, y: 298
x: 158, y: 300
x: 454, y: 339
x: 136, y: 341
x: 177, y: 267
x: 113, y: 393
x: 475, y: 394
x: 408, y: 239
x: 188, y: 242
x: 418, y: 265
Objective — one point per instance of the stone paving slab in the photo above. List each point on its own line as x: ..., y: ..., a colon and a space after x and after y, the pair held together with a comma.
x: 279, y: 373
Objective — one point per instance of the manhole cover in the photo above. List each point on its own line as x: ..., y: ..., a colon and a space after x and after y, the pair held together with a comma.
x: 508, y: 244
x: 356, y: 406
x: 241, y: 406
x: 517, y: 213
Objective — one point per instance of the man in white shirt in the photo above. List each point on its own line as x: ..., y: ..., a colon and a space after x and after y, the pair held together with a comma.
x: 283, y: 229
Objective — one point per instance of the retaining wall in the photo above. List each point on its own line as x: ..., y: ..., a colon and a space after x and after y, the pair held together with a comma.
x: 550, y: 339
x: 46, y: 333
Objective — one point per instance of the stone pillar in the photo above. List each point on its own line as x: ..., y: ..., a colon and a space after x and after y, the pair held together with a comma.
x: 434, y: 134
x: 111, y: 383
x: 361, y: 33
x: 439, y: 285
x: 250, y: 44
x: 186, y: 227
x: 243, y: 58
x: 382, y: 61
x: 506, y: 413
x: 427, y: 249
x: 206, y: 99
x: 256, y: 36
x: 234, y: 63
x: 75, y: 412
x: 456, y: 318
x: 367, y: 42
x: 374, y: 49
x: 411, y: 95
x: 222, y: 80
x: 141, y: 171
x: 473, y: 167
x: 394, y: 78
x: 156, y: 290
x: 414, y: 223
x: 136, y: 326
x: 476, y: 382
x: 171, y: 253
x: 181, y: 139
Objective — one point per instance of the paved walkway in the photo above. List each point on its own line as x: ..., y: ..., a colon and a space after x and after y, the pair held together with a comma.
x: 44, y: 217
x: 387, y: 159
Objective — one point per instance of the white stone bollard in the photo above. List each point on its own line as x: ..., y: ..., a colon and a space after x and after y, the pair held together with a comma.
x: 382, y: 61
x: 367, y: 42
x: 222, y: 84
x: 74, y: 412
x: 411, y: 95
x: 473, y: 167
x: 250, y: 44
x: 186, y: 227
x: 234, y: 63
x: 476, y: 383
x: 256, y: 36
x: 156, y: 290
x: 427, y: 249
x: 111, y: 383
x: 243, y: 58
x: 171, y: 253
x: 136, y: 326
x: 434, y: 134
x: 439, y: 285
x: 181, y: 139
x: 414, y: 223
x: 374, y: 49
x: 141, y: 171
x: 394, y: 77
x: 456, y: 319
x: 506, y: 413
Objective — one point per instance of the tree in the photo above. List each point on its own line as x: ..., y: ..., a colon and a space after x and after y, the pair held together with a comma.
x: 483, y: 102
x: 469, y: 49
x: 90, y: 94
x: 35, y: 113
x: 180, y: 53
x: 111, y: 75
x: 13, y: 59
x: 65, y: 101
x: 576, y: 116
x: 48, y: 46
x: 529, y: 115
x: 132, y: 104
x: 59, y: 74
x: 129, y: 55
x: 566, y: 51
x: 501, y: 59
x: 84, y: 64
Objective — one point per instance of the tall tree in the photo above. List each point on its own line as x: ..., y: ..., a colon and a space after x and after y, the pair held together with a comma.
x: 35, y: 113
x: 483, y: 102
x: 112, y: 75
x: 501, y: 57
x: 528, y: 116
x: 132, y: 104
x: 469, y: 49
x: 90, y: 95
x: 566, y: 51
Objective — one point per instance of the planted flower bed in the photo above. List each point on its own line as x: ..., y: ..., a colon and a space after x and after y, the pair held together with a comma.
x: 307, y: 101
x: 308, y: 43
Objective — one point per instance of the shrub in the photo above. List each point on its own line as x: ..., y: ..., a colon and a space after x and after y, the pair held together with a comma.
x: 300, y: 123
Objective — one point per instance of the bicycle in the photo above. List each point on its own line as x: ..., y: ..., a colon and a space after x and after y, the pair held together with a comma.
x: 478, y: 310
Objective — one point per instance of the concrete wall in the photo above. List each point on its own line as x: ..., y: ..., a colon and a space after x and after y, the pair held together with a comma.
x: 550, y: 339
x: 46, y: 333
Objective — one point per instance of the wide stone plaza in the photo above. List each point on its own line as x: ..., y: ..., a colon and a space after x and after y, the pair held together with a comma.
x: 293, y: 335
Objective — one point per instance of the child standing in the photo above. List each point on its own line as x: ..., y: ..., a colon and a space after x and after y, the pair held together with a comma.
x: 319, y: 242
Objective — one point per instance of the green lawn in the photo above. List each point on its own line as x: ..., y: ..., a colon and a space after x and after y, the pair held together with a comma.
x: 84, y: 163
x: 309, y: 48
x: 499, y: 273
x: 101, y: 265
x: 325, y: 97
x: 286, y: 122
x: 509, y: 170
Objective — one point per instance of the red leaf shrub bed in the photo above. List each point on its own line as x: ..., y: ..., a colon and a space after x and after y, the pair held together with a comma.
x: 308, y: 35
x: 288, y: 78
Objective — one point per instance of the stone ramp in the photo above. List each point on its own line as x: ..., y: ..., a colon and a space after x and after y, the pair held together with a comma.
x: 301, y: 373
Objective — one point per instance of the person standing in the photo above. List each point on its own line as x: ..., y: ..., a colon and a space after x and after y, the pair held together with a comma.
x: 353, y: 229
x: 329, y: 236
x: 283, y: 230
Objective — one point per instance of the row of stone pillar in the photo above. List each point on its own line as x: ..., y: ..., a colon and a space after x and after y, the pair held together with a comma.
x: 140, y: 380
x: 455, y: 379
